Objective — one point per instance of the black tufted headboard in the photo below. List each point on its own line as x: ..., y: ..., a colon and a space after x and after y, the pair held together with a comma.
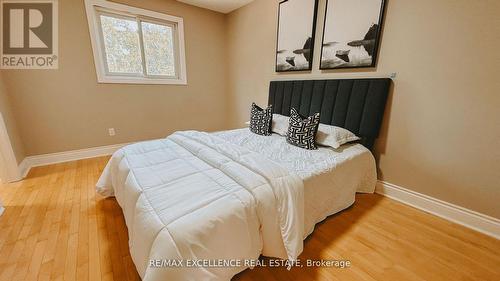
x: 355, y: 104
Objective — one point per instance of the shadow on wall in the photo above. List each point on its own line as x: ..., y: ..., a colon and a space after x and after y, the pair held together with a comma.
x: 369, y: 70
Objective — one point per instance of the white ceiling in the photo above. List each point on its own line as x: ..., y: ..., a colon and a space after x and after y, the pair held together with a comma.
x: 222, y: 6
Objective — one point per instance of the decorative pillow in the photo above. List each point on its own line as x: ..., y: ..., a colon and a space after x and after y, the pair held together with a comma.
x: 261, y: 120
x: 280, y: 124
x: 334, y: 136
x: 302, y: 131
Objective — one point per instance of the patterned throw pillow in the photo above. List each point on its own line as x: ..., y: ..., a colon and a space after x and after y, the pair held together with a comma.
x: 261, y: 120
x: 302, y: 131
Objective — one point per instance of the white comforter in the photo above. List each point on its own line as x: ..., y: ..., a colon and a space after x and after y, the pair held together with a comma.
x: 193, y: 196
x: 331, y: 176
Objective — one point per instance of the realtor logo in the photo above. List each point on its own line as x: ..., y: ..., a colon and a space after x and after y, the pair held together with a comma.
x: 29, y: 34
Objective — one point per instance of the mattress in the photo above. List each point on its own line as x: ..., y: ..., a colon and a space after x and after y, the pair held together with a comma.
x: 331, y: 176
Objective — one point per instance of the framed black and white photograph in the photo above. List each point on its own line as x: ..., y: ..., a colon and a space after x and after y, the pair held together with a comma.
x: 351, y: 33
x: 296, y: 28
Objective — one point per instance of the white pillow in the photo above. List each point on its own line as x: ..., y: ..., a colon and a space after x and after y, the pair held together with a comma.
x: 280, y: 124
x: 334, y: 136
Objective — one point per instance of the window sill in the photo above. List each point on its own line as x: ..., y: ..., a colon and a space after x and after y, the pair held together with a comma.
x: 141, y: 80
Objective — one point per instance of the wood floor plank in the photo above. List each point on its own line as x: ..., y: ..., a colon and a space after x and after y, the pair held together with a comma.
x: 55, y: 227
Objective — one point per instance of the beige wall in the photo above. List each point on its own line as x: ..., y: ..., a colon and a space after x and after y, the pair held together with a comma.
x: 442, y: 128
x: 67, y: 109
x: 10, y: 122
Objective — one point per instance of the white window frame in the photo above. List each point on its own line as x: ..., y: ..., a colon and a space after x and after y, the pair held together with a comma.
x: 95, y: 8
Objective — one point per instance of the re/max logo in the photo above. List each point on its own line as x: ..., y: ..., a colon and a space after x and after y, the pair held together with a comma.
x: 29, y: 34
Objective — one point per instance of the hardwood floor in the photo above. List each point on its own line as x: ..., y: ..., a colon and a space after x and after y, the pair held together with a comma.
x: 55, y: 227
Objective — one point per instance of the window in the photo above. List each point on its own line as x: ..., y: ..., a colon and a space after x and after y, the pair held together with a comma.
x: 133, y: 45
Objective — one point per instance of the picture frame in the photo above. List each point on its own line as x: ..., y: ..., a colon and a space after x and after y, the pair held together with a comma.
x: 295, y: 35
x: 351, y: 33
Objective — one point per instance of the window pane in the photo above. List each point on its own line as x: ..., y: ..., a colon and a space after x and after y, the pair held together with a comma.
x: 121, y: 43
x: 158, y: 49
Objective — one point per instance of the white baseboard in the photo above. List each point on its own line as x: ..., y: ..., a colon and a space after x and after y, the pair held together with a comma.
x: 59, y: 157
x: 468, y: 218
x: 24, y: 167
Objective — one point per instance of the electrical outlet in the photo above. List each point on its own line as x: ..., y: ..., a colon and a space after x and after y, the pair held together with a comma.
x: 111, y: 132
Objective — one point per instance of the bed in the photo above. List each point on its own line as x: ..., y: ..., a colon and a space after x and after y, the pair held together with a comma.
x: 202, y: 206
